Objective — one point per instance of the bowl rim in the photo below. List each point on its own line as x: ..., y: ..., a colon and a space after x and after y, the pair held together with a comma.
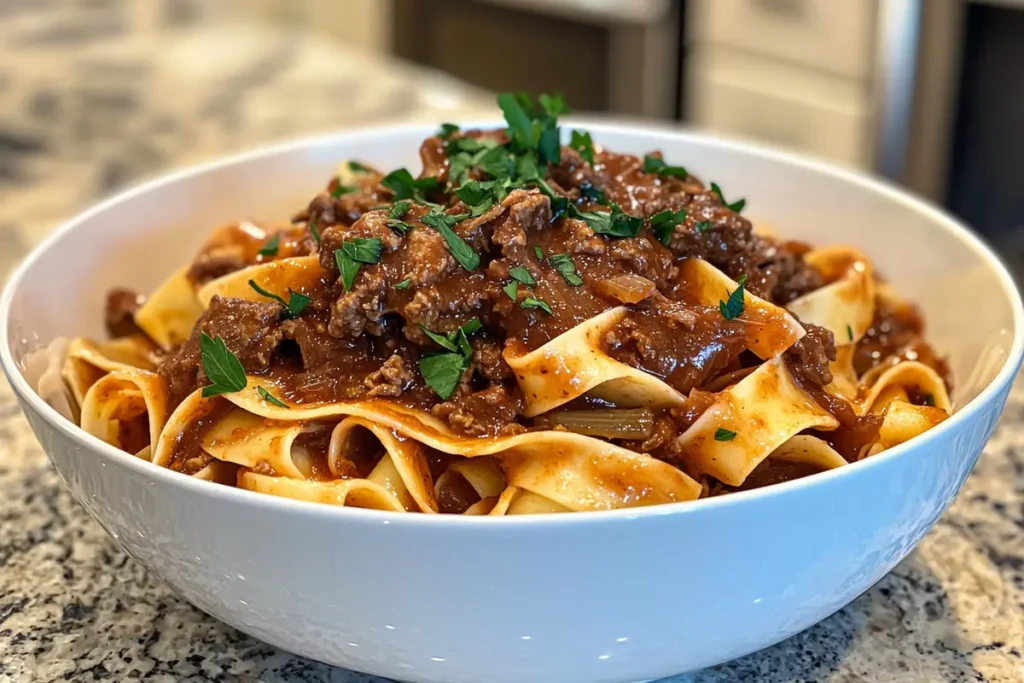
x: 234, y: 495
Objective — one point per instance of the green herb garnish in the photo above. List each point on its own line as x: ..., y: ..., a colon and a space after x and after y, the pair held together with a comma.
x: 582, y: 143
x: 479, y: 196
x: 616, y: 222
x: 657, y: 165
x: 539, y: 253
x: 352, y: 254
x: 313, y: 231
x: 221, y: 367
x: 444, y: 223
x: 702, y: 226
x: 357, y: 167
x: 404, y: 284
x: 511, y: 289
x: 530, y: 302
x: 849, y: 332
x: 521, y: 274
x: 270, y: 398
x: 395, y: 213
x: 295, y: 305
x: 724, y: 435
x: 447, y: 130
x: 566, y: 267
x: 401, y: 182
x: 442, y: 371
x: 270, y: 248
x: 588, y: 191
x: 340, y: 189
x: 736, y: 206
x: 733, y: 308
x: 664, y: 224
x: 534, y: 129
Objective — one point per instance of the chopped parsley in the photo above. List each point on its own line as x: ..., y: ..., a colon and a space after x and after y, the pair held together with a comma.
x: 404, y: 284
x: 530, y: 302
x: 270, y: 398
x: 582, y: 143
x: 222, y: 367
x: 357, y: 167
x: 849, y: 332
x: 724, y: 434
x: 736, y: 206
x: 539, y: 253
x: 664, y: 224
x: 534, y: 129
x: 566, y: 267
x: 352, y: 254
x: 404, y: 186
x: 295, y: 305
x: 444, y: 223
x: 511, y: 289
x: 341, y: 189
x: 733, y: 308
x: 313, y: 231
x: 447, y: 130
x: 657, y: 165
x: 588, y: 191
x: 395, y: 213
x: 521, y: 274
x: 270, y: 248
x: 442, y: 371
x: 481, y: 195
x: 702, y: 226
x: 616, y: 222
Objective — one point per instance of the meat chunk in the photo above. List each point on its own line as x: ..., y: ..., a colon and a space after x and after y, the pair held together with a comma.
x: 250, y: 330
x: 392, y: 378
x: 809, y: 357
x: 119, y: 313
x: 490, y: 412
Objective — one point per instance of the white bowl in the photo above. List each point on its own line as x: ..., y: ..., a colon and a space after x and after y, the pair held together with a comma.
x: 616, y: 596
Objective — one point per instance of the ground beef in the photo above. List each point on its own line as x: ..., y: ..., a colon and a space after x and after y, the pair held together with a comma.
x: 489, y: 412
x: 119, y: 313
x: 809, y: 357
x: 392, y: 378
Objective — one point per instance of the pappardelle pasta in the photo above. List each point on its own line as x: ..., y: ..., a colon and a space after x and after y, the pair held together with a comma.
x: 522, y: 327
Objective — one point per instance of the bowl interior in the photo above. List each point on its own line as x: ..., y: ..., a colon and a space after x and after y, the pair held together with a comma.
x: 138, y: 238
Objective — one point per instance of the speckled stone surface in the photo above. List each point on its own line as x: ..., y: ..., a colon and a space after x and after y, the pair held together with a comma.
x: 94, y: 95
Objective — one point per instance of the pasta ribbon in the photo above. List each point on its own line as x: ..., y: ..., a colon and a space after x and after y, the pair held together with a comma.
x: 846, y: 306
x: 300, y: 273
x: 910, y: 376
x: 251, y: 441
x: 86, y: 362
x: 127, y: 409
x: 170, y: 313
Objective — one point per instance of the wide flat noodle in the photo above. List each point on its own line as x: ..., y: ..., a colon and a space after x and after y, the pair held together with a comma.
x: 763, y: 410
x: 846, y: 306
x: 360, y: 493
x: 769, y: 329
x: 43, y: 369
x: 903, y: 421
x: 482, y: 474
x: 809, y: 450
x: 911, y: 376
x: 530, y: 503
x: 170, y: 313
x: 86, y: 361
x: 301, y: 274
x: 127, y: 409
x: 405, y: 472
x: 251, y: 441
x: 574, y: 363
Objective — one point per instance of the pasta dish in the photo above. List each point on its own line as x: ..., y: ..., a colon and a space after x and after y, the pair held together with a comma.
x: 523, y: 326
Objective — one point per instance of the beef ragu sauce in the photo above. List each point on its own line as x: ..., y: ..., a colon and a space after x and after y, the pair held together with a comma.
x: 540, y: 269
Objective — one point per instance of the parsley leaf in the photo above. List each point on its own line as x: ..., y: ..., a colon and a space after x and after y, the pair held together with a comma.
x: 222, y: 367
x: 521, y: 274
x: 849, y: 332
x: 554, y: 105
x: 702, y: 226
x: 566, y: 267
x: 724, y: 435
x: 582, y: 143
x: 395, y: 213
x: 530, y: 302
x: 270, y: 248
x: 736, y: 206
x: 511, y: 289
x: 313, y: 231
x: 534, y: 129
x: 401, y: 182
x: 588, y: 191
x: 295, y: 305
x: 664, y: 223
x: 447, y: 130
x: 478, y: 196
x: 657, y: 165
x: 357, y: 167
x: 442, y: 371
x: 270, y: 398
x: 340, y: 189
x: 443, y: 223
x: 550, y: 146
x: 539, y: 253
x: 353, y: 253
x: 616, y: 223
x: 733, y: 308
x: 404, y: 284
x: 520, y: 128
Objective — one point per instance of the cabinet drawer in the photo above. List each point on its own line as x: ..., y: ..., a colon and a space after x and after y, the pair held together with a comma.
x: 825, y: 34
x: 835, y: 133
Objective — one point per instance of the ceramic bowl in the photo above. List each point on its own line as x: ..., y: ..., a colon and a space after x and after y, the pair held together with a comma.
x: 618, y: 596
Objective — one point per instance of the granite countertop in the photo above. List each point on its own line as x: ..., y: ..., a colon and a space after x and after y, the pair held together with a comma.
x: 97, y: 96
